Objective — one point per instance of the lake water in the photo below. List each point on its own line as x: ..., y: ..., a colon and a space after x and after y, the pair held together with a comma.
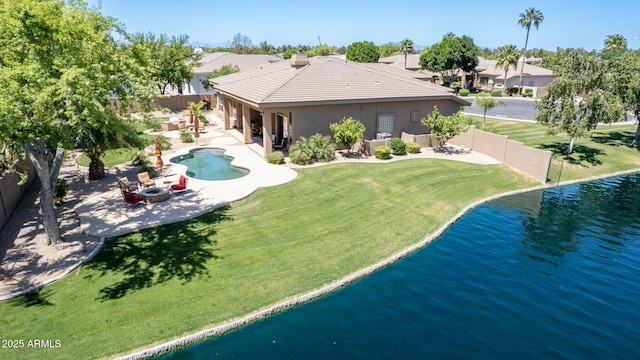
x: 546, y: 275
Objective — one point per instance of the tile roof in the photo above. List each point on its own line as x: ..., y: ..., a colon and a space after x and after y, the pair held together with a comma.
x: 413, y: 61
x: 488, y: 67
x: 328, y: 80
x: 214, y: 61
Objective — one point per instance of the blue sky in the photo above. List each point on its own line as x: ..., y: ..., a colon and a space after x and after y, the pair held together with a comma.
x: 491, y: 23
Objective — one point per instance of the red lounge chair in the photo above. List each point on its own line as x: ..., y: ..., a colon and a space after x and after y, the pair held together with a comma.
x: 181, y: 185
x: 131, y: 198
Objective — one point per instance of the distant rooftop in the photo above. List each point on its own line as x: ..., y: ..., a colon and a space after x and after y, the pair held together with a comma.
x: 214, y: 61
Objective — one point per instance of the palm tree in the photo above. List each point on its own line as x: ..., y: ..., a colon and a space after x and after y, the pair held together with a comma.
x: 407, y: 47
x: 507, y: 56
x: 615, y: 42
x: 529, y: 17
x: 486, y: 103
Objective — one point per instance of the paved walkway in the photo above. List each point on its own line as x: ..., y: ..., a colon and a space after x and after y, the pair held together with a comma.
x: 94, y: 210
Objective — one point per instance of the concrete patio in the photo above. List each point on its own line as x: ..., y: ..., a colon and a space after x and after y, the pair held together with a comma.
x: 107, y: 215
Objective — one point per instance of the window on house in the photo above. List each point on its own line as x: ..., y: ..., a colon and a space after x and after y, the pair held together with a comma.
x: 415, y: 116
x: 220, y: 103
x: 385, y: 123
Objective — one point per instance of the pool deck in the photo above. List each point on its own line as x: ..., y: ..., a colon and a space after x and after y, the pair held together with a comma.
x: 107, y: 215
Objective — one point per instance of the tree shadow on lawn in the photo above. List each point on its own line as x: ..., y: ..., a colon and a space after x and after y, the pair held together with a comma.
x: 35, y: 298
x: 157, y: 255
x: 581, y: 154
x: 614, y: 138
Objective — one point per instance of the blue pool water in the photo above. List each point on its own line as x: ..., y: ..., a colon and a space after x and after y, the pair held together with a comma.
x: 549, y: 274
x: 209, y: 164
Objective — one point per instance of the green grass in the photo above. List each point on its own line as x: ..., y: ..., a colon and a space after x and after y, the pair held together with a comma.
x: 606, y: 151
x: 111, y: 157
x: 119, y: 156
x: 155, y: 285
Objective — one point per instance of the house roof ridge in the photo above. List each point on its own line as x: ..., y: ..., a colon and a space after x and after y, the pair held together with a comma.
x: 380, y: 69
x: 295, y: 73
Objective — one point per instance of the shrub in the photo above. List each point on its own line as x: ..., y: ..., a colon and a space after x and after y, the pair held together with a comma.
x: 299, y: 152
x: 276, y: 157
x: 151, y: 123
x: 527, y: 93
x: 347, y: 131
x: 382, y: 152
x: 185, y: 136
x: 322, y: 149
x: 143, y: 160
x: 512, y: 90
x: 315, y: 148
x: 412, y: 147
x: 463, y: 92
x: 398, y: 146
x: 60, y: 191
x: 496, y: 93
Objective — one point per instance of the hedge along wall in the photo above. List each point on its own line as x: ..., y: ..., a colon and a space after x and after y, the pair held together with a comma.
x: 11, y: 193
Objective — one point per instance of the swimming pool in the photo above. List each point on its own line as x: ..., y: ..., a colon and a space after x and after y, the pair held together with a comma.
x: 209, y: 164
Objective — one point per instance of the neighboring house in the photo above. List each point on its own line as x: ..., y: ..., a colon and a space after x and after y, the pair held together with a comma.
x: 215, y: 61
x: 488, y: 76
x: 413, y: 64
x: 301, y: 97
x: 485, y: 75
x: 397, y: 61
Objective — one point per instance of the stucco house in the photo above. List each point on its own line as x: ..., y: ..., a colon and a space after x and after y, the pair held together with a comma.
x: 485, y: 76
x: 490, y: 77
x: 301, y: 97
x: 215, y: 61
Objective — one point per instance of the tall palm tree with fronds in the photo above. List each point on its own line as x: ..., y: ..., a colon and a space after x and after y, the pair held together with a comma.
x: 529, y: 17
x: 407, y: 48
x: 507, y: 56
x: 615, y: 42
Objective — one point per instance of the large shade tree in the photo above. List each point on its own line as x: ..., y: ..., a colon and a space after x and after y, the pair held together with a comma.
x: 450, y: 56
x: 626, y: 71
x: 581, y: 96
x: 530, y: 17
x: 169, y: 60
x: 506, y: 57
x: 59, y: 68
x: 363, y: 52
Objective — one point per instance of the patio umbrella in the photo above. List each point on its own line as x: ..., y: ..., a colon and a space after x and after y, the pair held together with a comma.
x: 196, y: 134
x: 159, y: 162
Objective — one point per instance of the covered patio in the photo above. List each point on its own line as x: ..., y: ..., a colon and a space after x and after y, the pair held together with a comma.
x: 286, y: 100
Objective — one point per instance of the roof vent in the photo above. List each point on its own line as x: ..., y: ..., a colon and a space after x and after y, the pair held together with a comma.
x: 299, y: 60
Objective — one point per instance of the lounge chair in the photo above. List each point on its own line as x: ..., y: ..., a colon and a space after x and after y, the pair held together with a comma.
x: 145, y: 180
x: 131, y: 198
x: 282, y: 145
x: 181, y: 185
x: 124, y: 184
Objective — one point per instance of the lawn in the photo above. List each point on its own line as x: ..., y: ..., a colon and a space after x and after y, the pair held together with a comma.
x: 113, y: 157
x: 606, y: 151
x: 158, y: 284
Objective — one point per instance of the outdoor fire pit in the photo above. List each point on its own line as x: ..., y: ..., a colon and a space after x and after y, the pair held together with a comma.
x: 154, y: 195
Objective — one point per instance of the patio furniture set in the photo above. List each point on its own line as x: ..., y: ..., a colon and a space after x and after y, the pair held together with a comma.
x: 148, y: 193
